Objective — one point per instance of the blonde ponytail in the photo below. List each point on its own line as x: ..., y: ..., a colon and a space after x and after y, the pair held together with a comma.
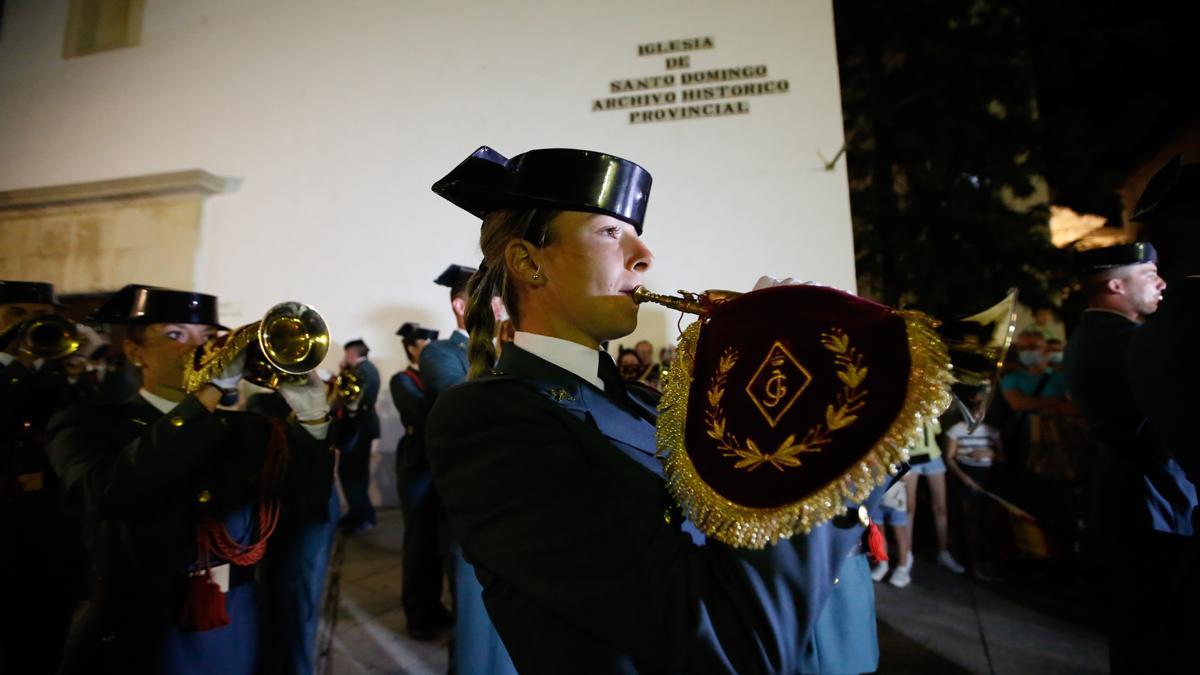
x: 499, y: 228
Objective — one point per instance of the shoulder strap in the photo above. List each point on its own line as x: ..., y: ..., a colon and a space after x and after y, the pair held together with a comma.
x: 1041, y: 385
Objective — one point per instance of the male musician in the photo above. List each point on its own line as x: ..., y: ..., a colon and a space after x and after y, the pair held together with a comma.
x: 40, y: 559
x: 476, y: 647
x: 357, y: 428
x: 1163, y: 367
x: 444, y: 362
x: 421, y: 593
x: 1141, y: 502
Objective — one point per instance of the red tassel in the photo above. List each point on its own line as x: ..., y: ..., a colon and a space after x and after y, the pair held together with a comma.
x: 876, y: 544
x: 203, y: 604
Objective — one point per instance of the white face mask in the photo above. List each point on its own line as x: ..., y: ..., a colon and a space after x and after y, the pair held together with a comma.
x: 1029, y: 357
x: 1054, y: 357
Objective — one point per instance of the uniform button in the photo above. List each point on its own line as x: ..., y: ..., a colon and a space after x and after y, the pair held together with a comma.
x: 177, y: 421
x: 836, y: 581
x: 667, y: 516
x: 863, y: 516
x: 204, y: 496
x: 28, y: 423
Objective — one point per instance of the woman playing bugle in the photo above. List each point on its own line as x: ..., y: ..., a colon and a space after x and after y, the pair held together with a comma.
x: 179, y: 499
x: 546, y: 461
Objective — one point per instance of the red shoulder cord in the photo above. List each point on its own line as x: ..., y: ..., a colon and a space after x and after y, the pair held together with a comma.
x: 204, y: 603
x: 415, y: 377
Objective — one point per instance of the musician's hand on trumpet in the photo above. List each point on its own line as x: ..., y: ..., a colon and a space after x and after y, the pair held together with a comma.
x: 227, y: 380
x: 308, y: 401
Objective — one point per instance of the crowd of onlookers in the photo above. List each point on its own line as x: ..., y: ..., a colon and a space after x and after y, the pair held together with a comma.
x: 1014, y: 487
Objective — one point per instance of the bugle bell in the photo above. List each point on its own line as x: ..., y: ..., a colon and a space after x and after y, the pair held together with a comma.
x: 288, y: 342
x: 978, y: 345
x: 348, y: 387
x: 48, y: 336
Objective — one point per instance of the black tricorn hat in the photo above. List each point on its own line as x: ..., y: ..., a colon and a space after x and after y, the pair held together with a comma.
x: 415, y: 331
x: 1175, y: 184
x: 558, y: 178
x: 1100, y: 259
x: 455, y: 277
x: 138, y: 305
x: 32, y: 292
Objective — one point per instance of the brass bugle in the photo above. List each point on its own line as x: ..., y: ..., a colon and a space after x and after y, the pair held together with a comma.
x: 688, y: 302
x: 348, y: 387
x: 48, y: 336
x: 288, y: 342
x: 977, y: 344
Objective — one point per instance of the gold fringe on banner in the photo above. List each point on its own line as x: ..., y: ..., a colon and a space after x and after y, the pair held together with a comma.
x: 927, y: 397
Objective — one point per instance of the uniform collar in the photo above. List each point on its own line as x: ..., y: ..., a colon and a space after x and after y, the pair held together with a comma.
x: 1108, y: 311
x: 582, y: 362
x: 161, y: 404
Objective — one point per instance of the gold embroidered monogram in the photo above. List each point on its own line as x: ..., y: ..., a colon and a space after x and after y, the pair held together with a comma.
x: 839, y: 414
x: 777, y: 383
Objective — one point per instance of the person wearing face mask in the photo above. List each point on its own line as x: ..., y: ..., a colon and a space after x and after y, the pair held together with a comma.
x: 1031, y: 389
x: 179, y: 500
x: 546, y: 460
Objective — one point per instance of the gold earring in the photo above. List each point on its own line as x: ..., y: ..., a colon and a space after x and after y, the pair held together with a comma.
x: 537, y: 274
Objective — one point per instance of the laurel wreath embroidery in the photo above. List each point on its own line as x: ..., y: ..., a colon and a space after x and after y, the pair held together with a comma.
x: 840, y: 414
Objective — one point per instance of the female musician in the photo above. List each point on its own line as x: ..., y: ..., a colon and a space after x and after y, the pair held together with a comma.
x: 546, y: 461
x: 179, y: 499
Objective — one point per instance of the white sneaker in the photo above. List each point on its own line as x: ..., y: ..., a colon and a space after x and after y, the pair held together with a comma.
x: 946, y: 560
x: 879, y: 571
x: 900, y: 577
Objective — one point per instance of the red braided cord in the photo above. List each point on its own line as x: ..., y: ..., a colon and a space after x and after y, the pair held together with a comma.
x: 211, y: 534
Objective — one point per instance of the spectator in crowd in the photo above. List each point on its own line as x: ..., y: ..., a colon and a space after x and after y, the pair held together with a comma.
x: 925, y: 457
x: 971, y: 456
x: 645, y: 352
x: 1030, y: 388
x: 892, y: 510
x: 1046, y: 322
x: 629, y: 363
x: 1036, y: 393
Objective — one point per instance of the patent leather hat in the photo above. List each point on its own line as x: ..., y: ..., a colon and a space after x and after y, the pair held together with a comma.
x: 455, y: 277
x: 32, y: 292
x: 138, y: 305
x: 415, y: 331
x: 557, y: 178
x: 1100, y: 259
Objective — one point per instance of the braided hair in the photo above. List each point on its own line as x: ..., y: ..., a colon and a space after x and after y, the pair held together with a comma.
x: 499, y: 228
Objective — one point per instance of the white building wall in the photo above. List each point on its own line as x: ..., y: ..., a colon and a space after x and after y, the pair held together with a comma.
x: 338, y: 116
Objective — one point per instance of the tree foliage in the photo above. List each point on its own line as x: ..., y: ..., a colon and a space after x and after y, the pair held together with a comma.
x: 955, y: 111
x: 941, y: 124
